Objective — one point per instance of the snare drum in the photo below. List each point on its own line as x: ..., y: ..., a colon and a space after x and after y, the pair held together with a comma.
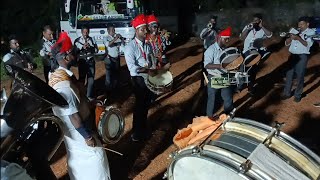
x: 110, y: 124
x: 253, y: 58
x: 230, y: 58
x: 235, y: 151
x: 160, y: 83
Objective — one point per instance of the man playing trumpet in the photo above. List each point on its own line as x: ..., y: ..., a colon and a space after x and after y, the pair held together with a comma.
x: 158, y: 41
x: 299, y: 48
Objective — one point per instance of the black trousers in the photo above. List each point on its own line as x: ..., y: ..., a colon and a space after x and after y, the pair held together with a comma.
x: 46, y: 70
x: 140, y: 111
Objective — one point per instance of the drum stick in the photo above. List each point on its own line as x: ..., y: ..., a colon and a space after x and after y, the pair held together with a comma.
x: 113, y: 151
x: 205, y: 77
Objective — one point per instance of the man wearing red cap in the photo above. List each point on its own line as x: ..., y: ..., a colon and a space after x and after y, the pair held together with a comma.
x: 158, y: 42
x: 85, y: 155
x: 213, y: 65
x: 139, y: 62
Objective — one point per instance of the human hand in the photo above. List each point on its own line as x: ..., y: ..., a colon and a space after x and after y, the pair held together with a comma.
x: 91, y: 142
x: 152, y: 72
x: 260, y: 23
x: 294, y: 37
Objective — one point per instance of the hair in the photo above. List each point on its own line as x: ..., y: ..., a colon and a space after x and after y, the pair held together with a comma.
x: 257, y: 15
x: 84, y: 27
x: 46, y: 28
x: 110, y: 26
x: 214, y: 17
x: 305, y: 19
x: 12, y: 37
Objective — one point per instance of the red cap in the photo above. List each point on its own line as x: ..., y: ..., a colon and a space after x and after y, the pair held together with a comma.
x: 151, y: 19
x: 139, y: 21
x: 65, y: 41
x: 225, y: 33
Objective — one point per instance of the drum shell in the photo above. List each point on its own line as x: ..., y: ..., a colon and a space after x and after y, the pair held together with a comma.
x: 228, y: 153
x: 253, y: 58
x: 162, y: 86
x: 231, y: 57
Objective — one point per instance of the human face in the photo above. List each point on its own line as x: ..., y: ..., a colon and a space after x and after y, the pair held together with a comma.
x: 85, y: 33
x: 302, y: 25
x: 213, y: 21
x: 154, y: 28
x: 14, y: 45
x: 224, y: 41
x: 111, y: 31
x: 141, y: 32
x: 256, y: 21
x: 48, y: 34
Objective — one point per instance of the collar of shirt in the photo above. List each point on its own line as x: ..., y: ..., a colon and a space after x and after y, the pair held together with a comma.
x: 139, y: 41
x: 70, y: 73
x: 217, y: 46
x: 45, y: 40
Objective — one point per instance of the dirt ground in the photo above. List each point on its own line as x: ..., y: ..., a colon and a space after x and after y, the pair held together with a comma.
x: 174, y: 110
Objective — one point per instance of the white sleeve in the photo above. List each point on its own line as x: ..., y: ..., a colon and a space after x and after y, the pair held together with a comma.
x: 205, y: 30
x: 72, y: 100
x: 130, y: 59
x: 78, y: 44
x: 309, y: 40
x: 208, y: 57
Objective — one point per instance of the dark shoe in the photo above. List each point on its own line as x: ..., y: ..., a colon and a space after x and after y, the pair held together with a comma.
x: 316, y: 105
x: 284, y: 97
x: 297, y: 99
x: 135, y: 138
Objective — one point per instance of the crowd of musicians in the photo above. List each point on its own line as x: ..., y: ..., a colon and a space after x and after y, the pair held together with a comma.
x: 145, y: 55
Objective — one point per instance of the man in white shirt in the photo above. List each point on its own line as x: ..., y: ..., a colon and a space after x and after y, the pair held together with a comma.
x: 213, y: 66
x: 299, y: 48
x: 112, y: 42
x: 208, y: 35
x: 86, y: 46
x: 85, y: 155
x: 253, y: 35
x: 139, y: 62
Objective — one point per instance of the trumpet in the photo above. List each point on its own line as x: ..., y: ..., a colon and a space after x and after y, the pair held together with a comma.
x: 209, y: 25
x: 291, y: 31
x: 250, y: 26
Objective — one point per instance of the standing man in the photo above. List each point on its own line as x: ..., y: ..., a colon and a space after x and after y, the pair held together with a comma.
x: 158, y: 42
x: 86, y: 46
x: 213, y: 65
x: 253, y: 35
x: 85, y: 156
x: 137, y: 55
x: 208, y: 35
x: 17, y: 57
x: 112, y: 42
x: 299, y: 50
x: 47, y: 42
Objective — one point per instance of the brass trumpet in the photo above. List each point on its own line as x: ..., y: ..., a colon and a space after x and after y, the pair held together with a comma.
x: 209, y: 25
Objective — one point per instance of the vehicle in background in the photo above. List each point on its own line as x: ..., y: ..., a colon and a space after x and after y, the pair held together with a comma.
x: 97, y: 16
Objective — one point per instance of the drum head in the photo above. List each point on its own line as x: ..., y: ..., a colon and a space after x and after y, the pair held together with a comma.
x: 161, y: 78
x: 253, y: 58
x: 111, y: 125
x: 230, y: 56
x: 194, y: 167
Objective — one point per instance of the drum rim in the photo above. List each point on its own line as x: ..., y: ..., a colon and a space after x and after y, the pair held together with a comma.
x: 220, y: 159
x: 103, y: 132
x: 296, y: 145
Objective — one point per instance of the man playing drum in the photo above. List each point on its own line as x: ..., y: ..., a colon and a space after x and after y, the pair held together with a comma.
x: 213, y: 65
x: 253, y: 35
x: 138, y: 58
x: 86, y: 157
x: 208, y: 35
x: 158, y: 42
x: 299, y: 50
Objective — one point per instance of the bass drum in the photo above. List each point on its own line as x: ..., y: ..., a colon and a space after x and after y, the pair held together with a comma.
x: 237, y: 151
x: 110, y: 124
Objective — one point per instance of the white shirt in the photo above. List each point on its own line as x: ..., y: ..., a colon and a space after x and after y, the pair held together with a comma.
x: 134, y: 55
x: 209, y: 39
x: 251, y: 37
x: 113, y: 51
x: 296, y: 47
x: 212, y: 55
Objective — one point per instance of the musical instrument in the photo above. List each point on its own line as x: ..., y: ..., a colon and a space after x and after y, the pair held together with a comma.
x: 209, y: 25
x: 228, y: 79
x: 253, y: 58
x: 160, y: 83
x: 245, y: 149
x: 110, y: 123
x: 230, y: 58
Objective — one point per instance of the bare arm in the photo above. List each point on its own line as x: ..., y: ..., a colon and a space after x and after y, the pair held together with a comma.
x: 245, y: 33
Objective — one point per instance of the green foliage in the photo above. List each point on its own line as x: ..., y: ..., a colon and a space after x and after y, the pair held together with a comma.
x: 3, y: 75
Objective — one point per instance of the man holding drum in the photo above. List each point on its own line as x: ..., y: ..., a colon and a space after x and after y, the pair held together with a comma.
x: 139, y: 62
x: 86, y: 157
x: 253, y: 35
x: 299, y: 50
x: 208, y: 35
x: 213, y: 65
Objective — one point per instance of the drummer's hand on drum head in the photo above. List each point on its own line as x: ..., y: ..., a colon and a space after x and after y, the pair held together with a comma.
x: 167, y: 66
x: 152, y: 72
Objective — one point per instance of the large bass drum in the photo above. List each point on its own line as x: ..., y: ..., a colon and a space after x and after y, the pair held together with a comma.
x: 110, y: 123
x: 236, y: 151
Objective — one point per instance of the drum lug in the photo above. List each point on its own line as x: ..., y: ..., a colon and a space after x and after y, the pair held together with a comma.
x: 173, y: 155
x: 165, y: 175
x: 196, y: 150
x: 274, y: 132
x: 244, y: 167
